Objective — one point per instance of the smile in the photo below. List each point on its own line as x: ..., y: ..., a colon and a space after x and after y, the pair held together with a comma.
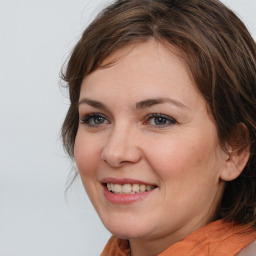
x: 128, y: 188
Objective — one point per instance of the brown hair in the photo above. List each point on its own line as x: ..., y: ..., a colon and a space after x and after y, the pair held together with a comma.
x: 220, y: 54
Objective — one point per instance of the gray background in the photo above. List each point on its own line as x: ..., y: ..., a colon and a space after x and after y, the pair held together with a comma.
x: 36, y: 218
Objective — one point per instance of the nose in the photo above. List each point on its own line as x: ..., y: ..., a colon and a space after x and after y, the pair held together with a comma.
x: 122, y: 147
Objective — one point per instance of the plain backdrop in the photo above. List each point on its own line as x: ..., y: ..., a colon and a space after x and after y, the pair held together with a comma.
x: 36, y: 217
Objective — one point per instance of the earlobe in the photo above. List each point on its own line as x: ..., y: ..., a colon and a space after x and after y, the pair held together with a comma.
x: 238, y: 154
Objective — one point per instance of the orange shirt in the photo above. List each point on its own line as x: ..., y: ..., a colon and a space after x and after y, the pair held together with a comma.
x: 218, y: 238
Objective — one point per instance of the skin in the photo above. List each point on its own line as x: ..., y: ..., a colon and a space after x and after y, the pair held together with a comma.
x: 180, y: 154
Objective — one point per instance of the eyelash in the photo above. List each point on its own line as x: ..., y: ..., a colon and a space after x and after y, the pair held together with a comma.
x: 170, y: 121
x: 86, y: 119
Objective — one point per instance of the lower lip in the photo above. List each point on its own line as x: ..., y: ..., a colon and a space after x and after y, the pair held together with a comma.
x: 125, y: 198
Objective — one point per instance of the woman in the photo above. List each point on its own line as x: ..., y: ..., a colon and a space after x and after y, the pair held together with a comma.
x: 162, y: 127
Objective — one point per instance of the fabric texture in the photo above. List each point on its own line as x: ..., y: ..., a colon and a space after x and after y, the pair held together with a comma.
x: 217, y: 238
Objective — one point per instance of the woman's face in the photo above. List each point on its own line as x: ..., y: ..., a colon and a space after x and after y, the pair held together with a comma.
x: 147, y: 149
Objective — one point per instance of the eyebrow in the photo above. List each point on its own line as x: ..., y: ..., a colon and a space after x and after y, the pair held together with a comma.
x: 139, y: 105
x: 93, y: 103
x: 155, y: 101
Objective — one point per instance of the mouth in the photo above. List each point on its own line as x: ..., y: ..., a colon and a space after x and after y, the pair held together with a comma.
x: 129, y: 188
x: 125, y: 191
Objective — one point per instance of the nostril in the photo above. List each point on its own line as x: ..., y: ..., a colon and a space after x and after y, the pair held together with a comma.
x: 121, y: 149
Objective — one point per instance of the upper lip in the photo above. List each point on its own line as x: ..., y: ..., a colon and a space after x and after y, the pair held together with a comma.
x: 125, y: 181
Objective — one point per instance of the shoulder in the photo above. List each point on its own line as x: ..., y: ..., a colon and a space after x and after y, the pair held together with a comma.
x: 249, y: 250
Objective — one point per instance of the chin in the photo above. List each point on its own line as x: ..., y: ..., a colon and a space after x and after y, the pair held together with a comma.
x: 129, y: 234
x: 126, y: 229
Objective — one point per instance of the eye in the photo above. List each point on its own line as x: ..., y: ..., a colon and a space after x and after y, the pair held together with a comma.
x: 160, y: 120
x: 94, y: 120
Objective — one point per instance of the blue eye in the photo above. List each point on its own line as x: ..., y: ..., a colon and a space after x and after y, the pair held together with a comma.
x: 160, y: 120
x: 94, y: 119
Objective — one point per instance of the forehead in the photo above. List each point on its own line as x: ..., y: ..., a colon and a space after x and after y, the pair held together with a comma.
x: 152, y: 51
x: 143, y: 70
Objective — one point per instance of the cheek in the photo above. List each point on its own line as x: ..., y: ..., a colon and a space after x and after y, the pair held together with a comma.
x: 86, y: 155
x: 189, y: 170
x: 184, y: 158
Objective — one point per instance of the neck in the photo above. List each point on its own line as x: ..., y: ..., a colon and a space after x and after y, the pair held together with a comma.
x: 147, y: 248
x: 153, y: 246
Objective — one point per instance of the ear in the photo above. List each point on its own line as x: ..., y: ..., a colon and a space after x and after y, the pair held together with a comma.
x: 238, y: 153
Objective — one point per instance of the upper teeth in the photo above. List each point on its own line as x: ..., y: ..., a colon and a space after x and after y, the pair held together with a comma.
x: 128, y: 188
